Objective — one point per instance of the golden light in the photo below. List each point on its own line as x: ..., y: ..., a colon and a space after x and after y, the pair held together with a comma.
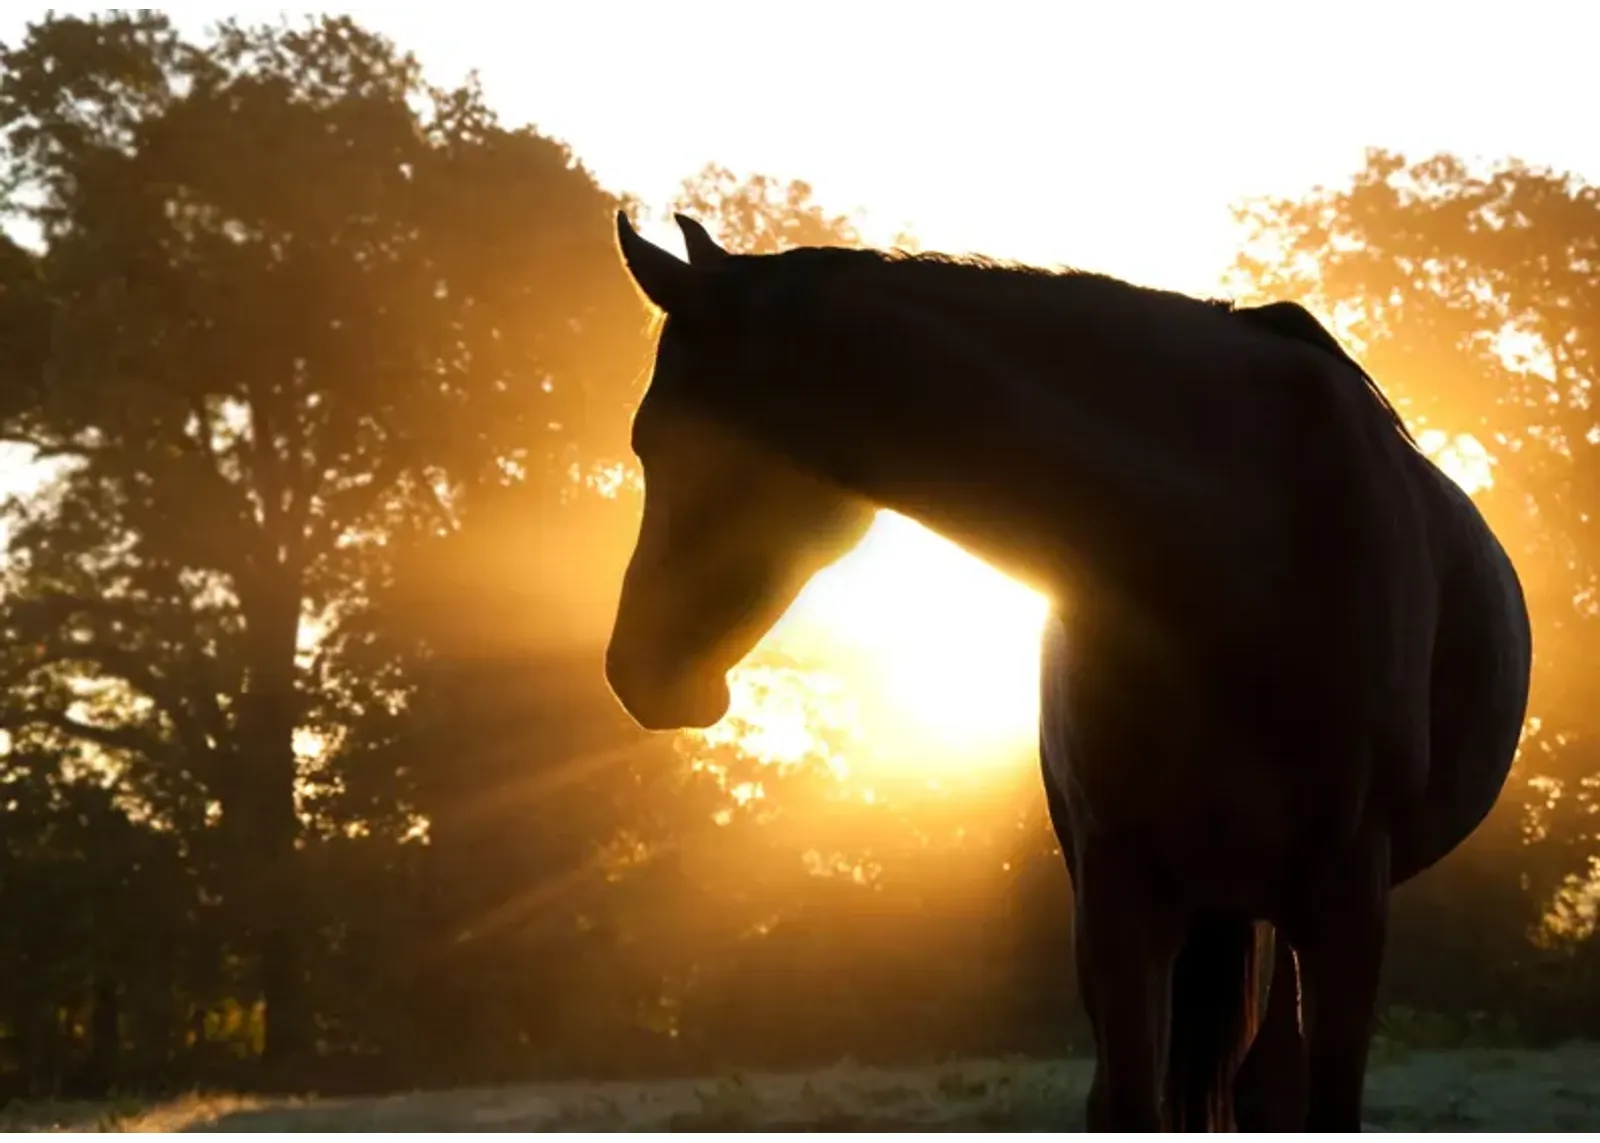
x: 954, y: 644
x: 787, y: 716
x: 932, y: 661
x: 1461, y: 457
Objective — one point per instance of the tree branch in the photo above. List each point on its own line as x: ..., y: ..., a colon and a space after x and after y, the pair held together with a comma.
x: 194, y: 712
x: 128, y: 739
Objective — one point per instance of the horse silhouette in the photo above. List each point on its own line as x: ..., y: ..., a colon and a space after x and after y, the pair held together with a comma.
x: 1287, y: 663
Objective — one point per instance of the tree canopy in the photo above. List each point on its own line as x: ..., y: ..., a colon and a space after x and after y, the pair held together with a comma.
x: 294, y: 307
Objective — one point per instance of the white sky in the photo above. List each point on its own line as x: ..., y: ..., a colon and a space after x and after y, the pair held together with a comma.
x: 1111, y: 135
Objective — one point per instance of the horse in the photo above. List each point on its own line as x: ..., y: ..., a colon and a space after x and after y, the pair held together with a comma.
x: 1287, y: 662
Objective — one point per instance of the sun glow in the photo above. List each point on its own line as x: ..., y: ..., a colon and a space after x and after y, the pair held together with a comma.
x: 931, y: 663
x: 1462, y: 458
x: 954, y: 644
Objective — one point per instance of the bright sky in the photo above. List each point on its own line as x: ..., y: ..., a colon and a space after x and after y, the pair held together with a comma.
x: 1107, y: 135
x: 1111, y: 136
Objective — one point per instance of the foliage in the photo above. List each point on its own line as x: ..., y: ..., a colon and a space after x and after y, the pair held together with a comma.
x: 299, y: 308
x: 761, y: 215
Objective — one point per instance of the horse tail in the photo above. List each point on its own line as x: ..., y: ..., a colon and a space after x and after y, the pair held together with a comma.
x: 1215, y: 983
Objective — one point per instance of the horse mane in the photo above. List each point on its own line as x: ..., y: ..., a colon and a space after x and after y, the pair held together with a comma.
x: 1284, y: 319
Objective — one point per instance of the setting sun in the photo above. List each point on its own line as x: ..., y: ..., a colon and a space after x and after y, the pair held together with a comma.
x: 954, y: 643
x: 921, y: 647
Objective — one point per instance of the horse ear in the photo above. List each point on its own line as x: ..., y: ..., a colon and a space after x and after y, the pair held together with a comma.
x: 672, y: 284
x: 703, y: 249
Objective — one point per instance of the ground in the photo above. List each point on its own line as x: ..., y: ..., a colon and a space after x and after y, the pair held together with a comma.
x: 1468, y: 1090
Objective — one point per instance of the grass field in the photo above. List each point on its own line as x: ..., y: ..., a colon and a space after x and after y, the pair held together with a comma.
x: 1469, y: 1090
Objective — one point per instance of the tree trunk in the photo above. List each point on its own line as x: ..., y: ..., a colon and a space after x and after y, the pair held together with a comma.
x: 266, y: 859
x: 42, y: 1047
x: 97, y: 1078
x: 276, y: 907
x: 289, y: 1043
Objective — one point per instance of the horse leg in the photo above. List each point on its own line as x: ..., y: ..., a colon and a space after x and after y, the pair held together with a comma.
x: 1125, y: 945
x: 1061, y: 822
x: 1215, y: 979
x: 1271, y: 1086
x: 1340, y: 941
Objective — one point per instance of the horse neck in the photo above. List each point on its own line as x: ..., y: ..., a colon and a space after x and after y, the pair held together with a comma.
x: 1043, y: 456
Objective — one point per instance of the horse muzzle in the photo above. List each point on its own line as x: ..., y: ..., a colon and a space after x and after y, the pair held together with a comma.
x: 659, y: 697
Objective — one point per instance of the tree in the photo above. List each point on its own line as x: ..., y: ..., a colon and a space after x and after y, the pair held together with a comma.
x: 300, y: 304
x: 761, y: 214
x: 89, y: 893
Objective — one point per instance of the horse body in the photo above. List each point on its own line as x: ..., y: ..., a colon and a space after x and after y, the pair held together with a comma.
x: 1237, y: 837
x: 1289, y: 662
x: 1481, y: 675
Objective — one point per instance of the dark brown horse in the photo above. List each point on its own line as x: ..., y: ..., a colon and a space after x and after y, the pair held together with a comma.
x: 1288, y: 664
